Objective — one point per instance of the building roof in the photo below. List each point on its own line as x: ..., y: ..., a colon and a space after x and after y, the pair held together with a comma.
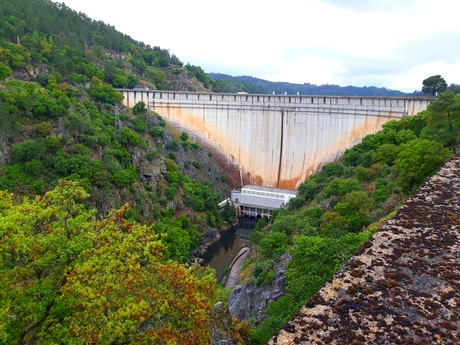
x: 269, y: 189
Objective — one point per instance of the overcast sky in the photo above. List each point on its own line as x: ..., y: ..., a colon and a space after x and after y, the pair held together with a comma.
x: 384, y: 43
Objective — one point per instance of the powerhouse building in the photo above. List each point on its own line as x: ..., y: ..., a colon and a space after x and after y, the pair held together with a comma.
x: 258, y: 201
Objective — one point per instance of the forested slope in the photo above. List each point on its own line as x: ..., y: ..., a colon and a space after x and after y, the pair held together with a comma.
x: 227, y: 83
x: 61, y: 118
x: 101, y: 206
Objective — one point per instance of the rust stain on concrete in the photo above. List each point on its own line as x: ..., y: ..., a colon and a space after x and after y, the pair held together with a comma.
x: 277, y: 144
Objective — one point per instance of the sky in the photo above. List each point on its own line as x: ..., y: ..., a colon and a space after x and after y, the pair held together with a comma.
x: 385, y: 43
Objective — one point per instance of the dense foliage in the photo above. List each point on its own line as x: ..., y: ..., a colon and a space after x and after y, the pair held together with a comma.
x: 40, y: 37
x: 433, y: 85
x: 56, y: 132
x: 71, y: 269
x: 68, y: 278
x: 338, y: 209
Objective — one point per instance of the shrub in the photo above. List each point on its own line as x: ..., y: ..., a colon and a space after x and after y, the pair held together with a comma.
x: 183, y: 136
x: 140, y: 108
x: 28, y: 150
x: 128, y: 137
x: 124, y: 177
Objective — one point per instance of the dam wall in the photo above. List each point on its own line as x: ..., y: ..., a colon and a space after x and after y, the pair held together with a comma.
x: 274, y: 140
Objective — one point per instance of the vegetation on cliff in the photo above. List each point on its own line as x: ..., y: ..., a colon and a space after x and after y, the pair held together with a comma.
x: 42, y: 37
x: 69, y: 278
x: 76, y: 264
x: 339, y: 208
x: 79, y: 266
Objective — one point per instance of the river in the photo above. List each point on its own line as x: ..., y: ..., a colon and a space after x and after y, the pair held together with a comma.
x: 220, y: 254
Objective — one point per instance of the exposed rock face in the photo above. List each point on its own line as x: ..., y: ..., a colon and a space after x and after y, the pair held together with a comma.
x: 209, y: 237
x: 207, y: 171
x: 403, y: 287
x: 249, y: 301
x: 225, y: 329
x: 182, y: 81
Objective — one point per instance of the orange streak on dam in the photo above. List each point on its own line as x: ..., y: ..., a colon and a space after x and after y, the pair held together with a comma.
x: 275, y: 140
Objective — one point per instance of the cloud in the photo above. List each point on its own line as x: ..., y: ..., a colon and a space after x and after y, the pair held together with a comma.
x: 385, y: 43
x: 376, y: 5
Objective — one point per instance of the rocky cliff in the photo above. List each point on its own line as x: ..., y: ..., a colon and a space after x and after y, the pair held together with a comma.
x: 403, y: 286
x: 248, y: 302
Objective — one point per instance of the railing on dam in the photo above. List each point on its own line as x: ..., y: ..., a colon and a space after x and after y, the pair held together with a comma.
x: 397, y: 106
x: 275, y: 140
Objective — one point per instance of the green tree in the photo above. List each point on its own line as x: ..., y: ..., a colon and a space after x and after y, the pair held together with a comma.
x: 340, y: 187
x: 127, y: 137
x: 139, y: 108
x: 418, y: 160
x: 199, y: 74
x: 434, y: 85
x: 229, y: 213
x: 443, y: 120
x: 41, y: 239
x: 273, y: 245
x: 386, y: 154
x: 5, y: 71
x: 355, y: 207
x: 27, y: 150
x: 67, y: 278
x: 8, y: 122
x: 125, y: 293
x: 104, y: 92
x: 314, y: 261
x: 184, y: 136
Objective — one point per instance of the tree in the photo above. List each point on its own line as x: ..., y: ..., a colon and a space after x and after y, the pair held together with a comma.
x: 184, y: 136
x: 434, y: 84
x: 140, y: 108
x: 340, y: 187
x: 443, y: 120
x: 273, y: 245
x: 315, y: 259
x: 69, y: 279
x: 8, y: 122
x: 104, y: 92
x: 229, y: 213
x: 355, y: 207
x: 5, y: 71
x: 386, y: 154
x: 125, y: 293
x: 41, y: 239
x: 418, y: 160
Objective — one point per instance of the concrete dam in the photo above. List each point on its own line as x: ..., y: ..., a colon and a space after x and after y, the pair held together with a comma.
x: 274, y: 140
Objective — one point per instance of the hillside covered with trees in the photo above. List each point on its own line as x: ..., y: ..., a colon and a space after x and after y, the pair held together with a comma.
x: 101, y: 207
x: 227, y: 83
x: 42, y: 37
